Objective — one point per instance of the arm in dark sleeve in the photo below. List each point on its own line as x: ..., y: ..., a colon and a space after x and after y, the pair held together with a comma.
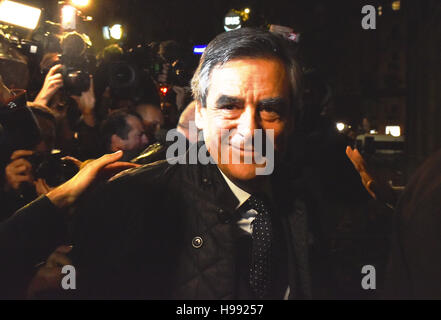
x: 28, y: 237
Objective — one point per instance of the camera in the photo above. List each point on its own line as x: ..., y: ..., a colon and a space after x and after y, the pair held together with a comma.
x: 75, y: 64
x: 126, y: 73
x: 52, y: 168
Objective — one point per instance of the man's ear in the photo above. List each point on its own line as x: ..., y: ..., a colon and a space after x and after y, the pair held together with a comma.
x: 200, y: 116
x: 116, y: 143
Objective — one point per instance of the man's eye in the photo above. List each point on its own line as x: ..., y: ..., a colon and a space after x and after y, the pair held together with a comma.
x: 228, y: 107
x: 269, y: 110
x: 269, y: 113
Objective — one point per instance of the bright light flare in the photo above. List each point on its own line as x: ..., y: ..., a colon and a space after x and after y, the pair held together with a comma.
x: 19, y: 14
x: 247, y: 10
x: 80, y: 3
x: 68, y: 17
x: 394, y: 131
x: 163, y: 90
x: 116, y: 32
x: 340, y: 126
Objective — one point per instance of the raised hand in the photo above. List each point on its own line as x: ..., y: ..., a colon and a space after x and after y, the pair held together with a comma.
x: 52, y: 82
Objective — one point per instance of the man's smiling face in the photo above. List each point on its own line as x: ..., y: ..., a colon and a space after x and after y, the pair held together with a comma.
x: 244, y: 95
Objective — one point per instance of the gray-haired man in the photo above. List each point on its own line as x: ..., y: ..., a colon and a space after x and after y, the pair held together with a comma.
x: 215, y: 229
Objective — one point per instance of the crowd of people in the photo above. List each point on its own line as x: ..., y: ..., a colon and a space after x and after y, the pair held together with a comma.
x: 95, y: 190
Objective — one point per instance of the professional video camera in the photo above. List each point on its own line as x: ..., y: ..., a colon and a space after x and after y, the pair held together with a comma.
x: 75, y: 63
x: 127, y: 74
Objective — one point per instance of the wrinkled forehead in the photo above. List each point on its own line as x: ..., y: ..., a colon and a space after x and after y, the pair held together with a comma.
x: 262, y: 76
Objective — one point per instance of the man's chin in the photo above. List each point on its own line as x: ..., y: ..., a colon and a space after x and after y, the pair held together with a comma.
x: 241, y: 172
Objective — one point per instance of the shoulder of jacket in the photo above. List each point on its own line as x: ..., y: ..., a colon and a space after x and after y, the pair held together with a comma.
x: 150, y: 170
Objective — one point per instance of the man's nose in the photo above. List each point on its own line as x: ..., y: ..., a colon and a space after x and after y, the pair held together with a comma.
x: 144, y: 139
x: 248, y: 122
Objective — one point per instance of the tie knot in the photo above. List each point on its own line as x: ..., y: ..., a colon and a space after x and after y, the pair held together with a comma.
x: 257, y: 204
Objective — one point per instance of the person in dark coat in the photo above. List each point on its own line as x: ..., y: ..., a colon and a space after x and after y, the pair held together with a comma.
x: 209, y: 229
x: 414, y: 270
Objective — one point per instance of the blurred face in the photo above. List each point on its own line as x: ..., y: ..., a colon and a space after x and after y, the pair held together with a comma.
x: 152, y: 118
x: 244, y: 95
x: 136, y: 139
x: 47, y: 130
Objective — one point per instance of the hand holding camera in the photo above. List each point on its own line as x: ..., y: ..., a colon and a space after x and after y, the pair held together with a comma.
x: 19, y: 170
x: 5, y: 94
x: 52, y: 82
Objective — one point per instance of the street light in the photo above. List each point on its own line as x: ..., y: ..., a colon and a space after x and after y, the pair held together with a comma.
x: 247, y: 10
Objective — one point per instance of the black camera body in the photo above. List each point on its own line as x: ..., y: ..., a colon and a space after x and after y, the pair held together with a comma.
x: 76, y: 77
x: 75, y: 64
x: 126, y: 74
x: 52, y: 168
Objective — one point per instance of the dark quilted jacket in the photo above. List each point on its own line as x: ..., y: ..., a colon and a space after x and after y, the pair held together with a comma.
x: 168, y: 231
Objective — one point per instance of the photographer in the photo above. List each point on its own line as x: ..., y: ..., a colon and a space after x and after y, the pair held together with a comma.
x: 20, y: 184
x: 32, y: 233
x: 68, y: 90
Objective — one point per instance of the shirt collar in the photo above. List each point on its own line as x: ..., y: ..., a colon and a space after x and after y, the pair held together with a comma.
x: 239, y: 193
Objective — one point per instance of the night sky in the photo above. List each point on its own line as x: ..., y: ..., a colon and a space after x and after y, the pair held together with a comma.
x: 198, y: 21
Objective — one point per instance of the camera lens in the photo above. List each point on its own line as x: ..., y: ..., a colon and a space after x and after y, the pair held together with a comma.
x: 122, y: 75
x: 76, y: 81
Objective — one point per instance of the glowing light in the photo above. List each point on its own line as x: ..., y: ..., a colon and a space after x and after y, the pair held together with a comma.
x: 80, y: 3
x: 199, y: 49
x: 163, y: 90
x: 247, y: 10
x: 340, y: 126
x: 68, y: 17
x: 394, y: 131
x: 116, y: 31
x: 396, y: 5
x: 19, y: 14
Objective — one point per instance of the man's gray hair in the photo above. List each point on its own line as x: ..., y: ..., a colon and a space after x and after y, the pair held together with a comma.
x: 246, y: 43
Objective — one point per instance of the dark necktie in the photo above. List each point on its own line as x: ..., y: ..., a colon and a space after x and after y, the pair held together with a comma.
x: 260, y: 268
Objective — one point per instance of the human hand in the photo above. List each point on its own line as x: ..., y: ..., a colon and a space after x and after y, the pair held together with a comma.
x: 361, y: 166
x: 41, y: 187
x: 68, y: 193
x: 19, y: 170
x: 52, y: 82
x: 86, y: 104
x: 5, y: 94
x: 48, y: 277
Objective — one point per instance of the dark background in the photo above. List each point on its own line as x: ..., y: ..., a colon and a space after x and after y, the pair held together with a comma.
x: 390, y: 75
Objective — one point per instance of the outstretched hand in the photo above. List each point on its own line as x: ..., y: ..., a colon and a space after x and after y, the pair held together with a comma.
x: 66, y: 194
